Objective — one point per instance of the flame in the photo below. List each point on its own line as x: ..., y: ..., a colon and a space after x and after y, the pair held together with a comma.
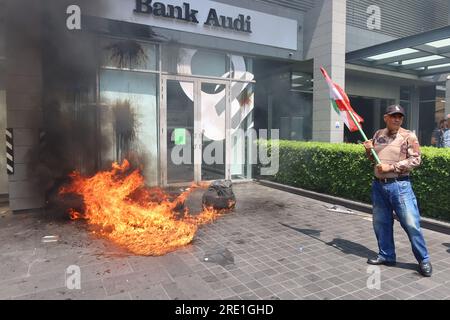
x: 74, y: 215
x: 146, y: 221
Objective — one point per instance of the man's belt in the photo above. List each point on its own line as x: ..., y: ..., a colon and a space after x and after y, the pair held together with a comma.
x: 390, y: 180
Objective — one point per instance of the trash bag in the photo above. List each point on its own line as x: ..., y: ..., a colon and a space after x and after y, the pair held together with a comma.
x: 219, y: 195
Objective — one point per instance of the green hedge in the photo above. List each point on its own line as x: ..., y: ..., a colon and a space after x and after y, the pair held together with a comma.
x: 343, y: 170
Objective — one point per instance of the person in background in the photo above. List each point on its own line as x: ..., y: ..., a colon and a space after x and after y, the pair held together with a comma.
x: 446, y: 136
x: 437, y: 139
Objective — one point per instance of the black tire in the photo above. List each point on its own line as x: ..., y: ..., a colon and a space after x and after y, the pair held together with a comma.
x: 211, y: 199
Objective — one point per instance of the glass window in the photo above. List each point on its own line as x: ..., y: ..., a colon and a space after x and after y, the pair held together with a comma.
x: 427, y: 111
x: 242, y: 125
x: 426, y: 122
x: 191, y: 61
x: 427, y: 93
x: 405, y: 93
x: 407, y: 106
x: 301, y: 82
x: 129, y: 54
x: 440, y: 106
x: 207, y: 63
x: 213, y: 109
x: 129, y: 117
x: 284, y: 99
x: 241, y: 68
x: 292, y: 115
x: 405, y: 102
x: 180, y: 131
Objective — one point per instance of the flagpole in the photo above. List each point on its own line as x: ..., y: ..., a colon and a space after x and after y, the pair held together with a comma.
x: 364, y: 136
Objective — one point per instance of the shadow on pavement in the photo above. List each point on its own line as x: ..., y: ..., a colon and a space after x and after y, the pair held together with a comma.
x: 448, y: 246
x: 404, y: 265
x: 309, y: 232
x: 345, y: 246
x: 350, y: 247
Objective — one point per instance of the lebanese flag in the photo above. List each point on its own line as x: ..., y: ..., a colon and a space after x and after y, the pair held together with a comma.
x: 341, y: 103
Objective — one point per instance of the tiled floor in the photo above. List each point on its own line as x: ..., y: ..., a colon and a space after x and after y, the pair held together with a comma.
x: 277, y: 246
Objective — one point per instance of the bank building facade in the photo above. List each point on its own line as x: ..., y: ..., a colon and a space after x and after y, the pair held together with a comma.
x: 181, y: 87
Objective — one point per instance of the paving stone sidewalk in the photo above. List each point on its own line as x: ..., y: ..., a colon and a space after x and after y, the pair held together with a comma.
x: 276, y: 245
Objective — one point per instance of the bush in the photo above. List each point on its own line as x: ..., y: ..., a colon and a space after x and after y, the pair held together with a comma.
x: 343, y: 170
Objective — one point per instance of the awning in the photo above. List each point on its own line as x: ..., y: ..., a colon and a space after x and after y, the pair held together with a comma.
x: 424, y: 54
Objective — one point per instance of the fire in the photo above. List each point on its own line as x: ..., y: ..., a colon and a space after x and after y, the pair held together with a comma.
x: 146, y: 221
x: 74, y: 215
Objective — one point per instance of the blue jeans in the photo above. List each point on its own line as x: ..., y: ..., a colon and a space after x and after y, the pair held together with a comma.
x: 397, y: 196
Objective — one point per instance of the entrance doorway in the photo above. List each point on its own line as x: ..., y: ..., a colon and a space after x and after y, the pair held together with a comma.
x: 194, y: 140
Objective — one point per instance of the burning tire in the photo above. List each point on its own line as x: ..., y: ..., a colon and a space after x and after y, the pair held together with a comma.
x: 219, y: 195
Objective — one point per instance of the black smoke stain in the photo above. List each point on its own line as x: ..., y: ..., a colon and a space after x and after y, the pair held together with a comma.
x: 72, y: 113
x: 219, y: 255
x: 71, y: 62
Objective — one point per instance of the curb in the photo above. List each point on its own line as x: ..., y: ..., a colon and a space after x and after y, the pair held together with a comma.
x: 427, y: 223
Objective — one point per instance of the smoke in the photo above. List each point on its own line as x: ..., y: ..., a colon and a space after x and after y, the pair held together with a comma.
x: 72, y: 135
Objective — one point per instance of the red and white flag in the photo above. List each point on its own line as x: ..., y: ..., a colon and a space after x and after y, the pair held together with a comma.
x: 341, y: 103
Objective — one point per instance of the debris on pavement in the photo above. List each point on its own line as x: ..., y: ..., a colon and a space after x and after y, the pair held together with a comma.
x: 219, y: 255
x: 49, y: 239
x: 339, y: 209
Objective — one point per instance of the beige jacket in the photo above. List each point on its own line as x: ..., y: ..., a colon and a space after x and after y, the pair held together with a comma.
x: 401, y: 151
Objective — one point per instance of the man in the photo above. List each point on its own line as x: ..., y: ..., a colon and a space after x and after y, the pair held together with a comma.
x: 446, y: 136
x: 399, y: 152
x: 437, y: 138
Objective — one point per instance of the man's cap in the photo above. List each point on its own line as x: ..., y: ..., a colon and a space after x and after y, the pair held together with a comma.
x: 395, y: 109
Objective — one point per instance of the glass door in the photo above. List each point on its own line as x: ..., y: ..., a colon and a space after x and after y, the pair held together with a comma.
x: 193, y: 137
x: 178, y: 131
x: 214, y: 121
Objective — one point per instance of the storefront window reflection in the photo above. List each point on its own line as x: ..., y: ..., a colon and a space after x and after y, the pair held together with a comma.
x: 427, y: 110
x: 197, y: 62
x: 242, y: 125
x: 284, y: 100
x: 405, y: 102
x: 129, y: 54
x: 128, y: 113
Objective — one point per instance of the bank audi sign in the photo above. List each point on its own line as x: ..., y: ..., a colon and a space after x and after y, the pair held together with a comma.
x: 186, y: 13
x: 205, y: 17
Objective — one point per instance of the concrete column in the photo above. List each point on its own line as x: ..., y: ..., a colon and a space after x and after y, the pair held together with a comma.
x: 23, y: 99
x: 327, y: 23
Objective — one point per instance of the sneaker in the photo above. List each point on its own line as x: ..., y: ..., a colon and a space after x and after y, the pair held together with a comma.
x: 425, y: 269
x: 380, y: 260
